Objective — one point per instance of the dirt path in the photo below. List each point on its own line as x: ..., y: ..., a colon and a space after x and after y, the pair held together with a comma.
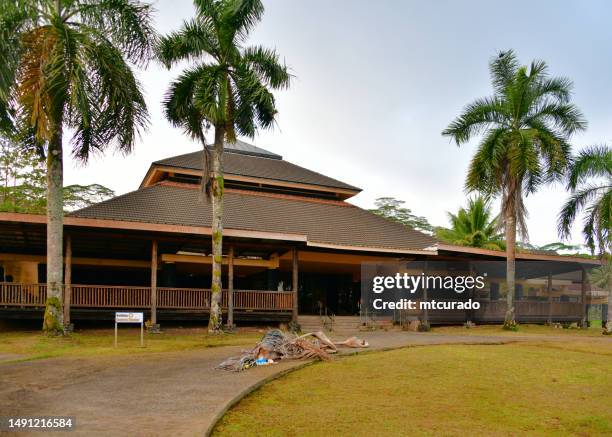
x: 154, y: 394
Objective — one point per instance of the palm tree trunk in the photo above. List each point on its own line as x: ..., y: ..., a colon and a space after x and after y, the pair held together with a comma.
x: 510, y: 219
x: 214, y: 322
x: 54, y: 320
x: 609, y: 322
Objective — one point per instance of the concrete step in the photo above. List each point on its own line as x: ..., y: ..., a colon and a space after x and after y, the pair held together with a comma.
x: 341, y: 325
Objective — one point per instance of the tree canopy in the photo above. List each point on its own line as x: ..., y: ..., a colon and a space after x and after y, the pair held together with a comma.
x: 228, y: 85
x: 23, y: 184
x: 66, y: 64
x: 590, y: 183
x: 525, y: 128
x: 474, y: 226
x: 393, y: 209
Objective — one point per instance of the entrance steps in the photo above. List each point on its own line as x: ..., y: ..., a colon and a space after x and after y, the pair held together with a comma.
x: 340, y: 325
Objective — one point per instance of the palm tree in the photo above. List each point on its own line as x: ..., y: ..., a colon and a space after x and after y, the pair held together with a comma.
x: 590, y: 181
x: 602, y: 277
x: 64, y: 65
x: 525, y: 125
x: 228, y: 88
x: 473, y: 226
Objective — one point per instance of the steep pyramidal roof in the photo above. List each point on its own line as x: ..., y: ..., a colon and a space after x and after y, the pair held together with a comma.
x: 242, y: 159
x: 322, y: 221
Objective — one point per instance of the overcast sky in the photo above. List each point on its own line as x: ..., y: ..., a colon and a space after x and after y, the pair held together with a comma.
x: 377, y: 81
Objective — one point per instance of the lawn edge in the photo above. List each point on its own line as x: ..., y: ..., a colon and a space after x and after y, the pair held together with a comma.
x: 250, y: 389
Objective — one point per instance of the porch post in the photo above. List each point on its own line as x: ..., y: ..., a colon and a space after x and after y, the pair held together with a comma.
x: 583, y: 290
x: 550, y: 302
x: 230, y: 288
x: 294, y: 314
x: 68, y: 281
x: 425, y: 316
x: 471, y: 294
x: 154, y: 283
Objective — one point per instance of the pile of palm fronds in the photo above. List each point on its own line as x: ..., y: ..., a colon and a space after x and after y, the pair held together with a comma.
x: 277, y: 345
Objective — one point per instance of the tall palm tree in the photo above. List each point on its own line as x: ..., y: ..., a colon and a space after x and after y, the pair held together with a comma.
x: 474, y: 226
x: 525, y: 125
x: 227, y: 88
x: 602, y: 277
x: 590, y: 181
x: 64, y: 65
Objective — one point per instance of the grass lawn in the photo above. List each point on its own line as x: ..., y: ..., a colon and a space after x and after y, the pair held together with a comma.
x: 593, y: 331
x: 34, y: 345
x: 547, y: 388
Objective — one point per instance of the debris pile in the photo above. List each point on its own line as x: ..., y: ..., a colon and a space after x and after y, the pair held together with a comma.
x: 277, y: 345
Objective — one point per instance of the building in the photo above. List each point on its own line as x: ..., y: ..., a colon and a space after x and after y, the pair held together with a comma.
x: 293, y: 243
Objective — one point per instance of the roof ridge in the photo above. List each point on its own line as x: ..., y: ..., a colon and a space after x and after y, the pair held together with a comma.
x: 177, y: 156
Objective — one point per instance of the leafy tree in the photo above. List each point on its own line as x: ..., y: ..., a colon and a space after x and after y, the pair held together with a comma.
x: 81, y: 196
x: 474, y: 226
x: 22, y: 179
x: 23, y: 184
x: 590, y: 182
x: 227, y: 87
x: 64, y: 65
x: 525, y: 128
x: 557, y: 246
x: 393, y: 209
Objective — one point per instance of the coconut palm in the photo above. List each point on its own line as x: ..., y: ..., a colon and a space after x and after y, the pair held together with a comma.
x: 474, y: 226
x: 590, y: 182
x: 602, y: 277
x: 228, y: 88
x: 525, y: 128
x: 64, y: 66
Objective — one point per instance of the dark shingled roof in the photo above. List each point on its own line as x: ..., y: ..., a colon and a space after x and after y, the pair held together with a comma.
x: 327, y: 222
x: 263, y: 164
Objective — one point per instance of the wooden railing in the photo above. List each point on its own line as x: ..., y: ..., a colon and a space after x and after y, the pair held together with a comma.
x: 107, y: 296
x: 104, y: 296
x: 183, y: 298
x: 497, y: 309
x: 261, y: 300
x: 22, y: 294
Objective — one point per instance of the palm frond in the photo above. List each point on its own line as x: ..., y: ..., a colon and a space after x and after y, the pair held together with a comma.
x: 238, y: 17
x: 476, y: 118
x: 116, y: 102
x: 503, y: 68
x: 578, y: 200
x: 591, y: 162
x: 266, y: 65
x: 126, y: 23
x: 194, y: 41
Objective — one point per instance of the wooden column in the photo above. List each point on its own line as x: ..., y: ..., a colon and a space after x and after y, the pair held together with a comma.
x: 425, y: 316
x: 294, y: 314
x: 550, y: 301
x: 154, y: 282
x: 471, y: 294
x: 583, y: 290
x: 68, y: 280
x: 230, y: 288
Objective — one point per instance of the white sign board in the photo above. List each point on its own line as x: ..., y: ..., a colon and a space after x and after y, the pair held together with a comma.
x: 129, y: 317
